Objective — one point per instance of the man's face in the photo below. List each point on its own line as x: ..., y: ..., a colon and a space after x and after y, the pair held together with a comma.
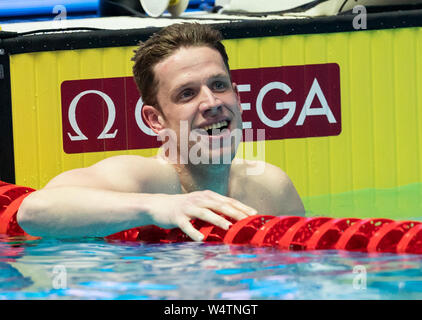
x: 195, y: 91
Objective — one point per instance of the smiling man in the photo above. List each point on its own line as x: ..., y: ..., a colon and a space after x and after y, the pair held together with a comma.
x: 183, y: 75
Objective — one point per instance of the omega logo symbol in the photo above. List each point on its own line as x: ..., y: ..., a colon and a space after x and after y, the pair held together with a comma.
x: 105, y: 134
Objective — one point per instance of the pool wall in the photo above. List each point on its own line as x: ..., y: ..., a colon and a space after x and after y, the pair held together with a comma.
x: 377, y: 143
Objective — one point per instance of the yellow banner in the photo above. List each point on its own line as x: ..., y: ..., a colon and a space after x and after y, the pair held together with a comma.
x: 381, y: 108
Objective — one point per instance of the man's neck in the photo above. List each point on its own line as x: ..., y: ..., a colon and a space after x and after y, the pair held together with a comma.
x: 204, y: 177
x: 214, y: 177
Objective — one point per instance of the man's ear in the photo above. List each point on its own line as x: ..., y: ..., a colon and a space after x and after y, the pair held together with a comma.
x: 153, y: 117
x: 234, y: 85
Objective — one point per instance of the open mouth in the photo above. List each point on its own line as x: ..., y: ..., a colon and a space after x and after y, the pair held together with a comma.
x: 216, y: 128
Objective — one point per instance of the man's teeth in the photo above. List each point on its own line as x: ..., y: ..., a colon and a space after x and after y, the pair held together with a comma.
x: 217, y: 125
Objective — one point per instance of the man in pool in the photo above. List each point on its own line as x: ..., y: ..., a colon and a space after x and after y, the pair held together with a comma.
x: 183, y: 75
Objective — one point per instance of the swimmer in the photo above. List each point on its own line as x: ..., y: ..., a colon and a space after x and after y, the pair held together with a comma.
x: 183, y: 76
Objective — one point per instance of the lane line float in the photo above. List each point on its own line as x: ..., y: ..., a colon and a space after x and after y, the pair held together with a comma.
x: 282, y: 232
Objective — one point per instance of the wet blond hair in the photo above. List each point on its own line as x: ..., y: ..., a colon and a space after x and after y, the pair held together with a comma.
x: 162, y: 45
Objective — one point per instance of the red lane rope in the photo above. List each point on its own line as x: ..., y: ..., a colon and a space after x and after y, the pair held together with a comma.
x: 356, y: 238
x: 11, y: 197
x: 327, y: 235
x: 411, y: 242
x: 271, y: 232
x: 242, y: 231
x: 285, y: 232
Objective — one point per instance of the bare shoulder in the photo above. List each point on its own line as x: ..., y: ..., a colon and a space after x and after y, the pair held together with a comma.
x: 128, y: 163
x: 145, y: 174
x: 261, y: 172
x: 269, y: 182
x: 126, y: 173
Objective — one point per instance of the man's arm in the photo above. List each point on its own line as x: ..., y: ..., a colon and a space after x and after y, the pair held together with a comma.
x: 93, y: 201
x: 78, y: 211
x: 111, y: 196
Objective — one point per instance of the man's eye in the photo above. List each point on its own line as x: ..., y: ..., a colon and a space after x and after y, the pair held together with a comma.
x: 186, y: 94
x: 219, y: 85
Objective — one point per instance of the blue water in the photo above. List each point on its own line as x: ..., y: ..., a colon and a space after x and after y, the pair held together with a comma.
x: 97, y: 269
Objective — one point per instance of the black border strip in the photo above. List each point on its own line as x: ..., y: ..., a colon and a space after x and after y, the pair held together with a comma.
x: 7, y: 158
x: 15, y: 43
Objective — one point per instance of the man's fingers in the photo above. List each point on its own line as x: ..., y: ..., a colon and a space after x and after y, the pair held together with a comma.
x: 208, y: 207
x: 209, y: 216
x: 237, y: 205
x: 232, y: 212
x: 247, y: 210
x: 224, y: 208
x: 186, y: 226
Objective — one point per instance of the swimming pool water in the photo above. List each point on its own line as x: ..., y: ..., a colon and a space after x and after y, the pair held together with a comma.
x: 97, y: 269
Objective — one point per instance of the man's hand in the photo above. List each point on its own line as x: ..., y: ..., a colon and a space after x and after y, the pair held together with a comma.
x: 171, y: 211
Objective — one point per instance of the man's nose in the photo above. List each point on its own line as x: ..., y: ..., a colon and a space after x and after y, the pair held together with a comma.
x: 210, y: 105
